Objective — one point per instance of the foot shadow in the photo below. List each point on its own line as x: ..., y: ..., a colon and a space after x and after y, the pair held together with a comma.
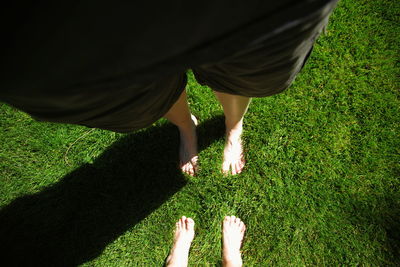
x: 72, y: 221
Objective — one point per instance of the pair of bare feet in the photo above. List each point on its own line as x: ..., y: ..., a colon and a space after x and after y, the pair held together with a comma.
x: 232, y: 236
x: 233, y: 161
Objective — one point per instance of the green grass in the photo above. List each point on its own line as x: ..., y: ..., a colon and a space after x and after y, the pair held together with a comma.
x: 321, y: 184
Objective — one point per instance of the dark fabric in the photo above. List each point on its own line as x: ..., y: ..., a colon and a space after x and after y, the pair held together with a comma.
x: 121, y: 66
x: 269, y: 65
x: 123, y: 109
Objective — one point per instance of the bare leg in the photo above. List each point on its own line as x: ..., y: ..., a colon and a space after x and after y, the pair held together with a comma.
x: 235, y: 107
x: 232, y: 236
x: 180, y: 115
x: 184, y: 234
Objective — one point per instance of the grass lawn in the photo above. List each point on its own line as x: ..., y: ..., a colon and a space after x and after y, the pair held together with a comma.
x: 321, y: 185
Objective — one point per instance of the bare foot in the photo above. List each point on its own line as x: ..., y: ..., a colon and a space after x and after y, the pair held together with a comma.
x: 232, y: 236
x: 184, y: 234
x: 188, y: 149
x: 233, y: 152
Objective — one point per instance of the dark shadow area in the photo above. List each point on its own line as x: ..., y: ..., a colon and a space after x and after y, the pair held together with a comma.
x: 72, y: 221
x: 381, y: 213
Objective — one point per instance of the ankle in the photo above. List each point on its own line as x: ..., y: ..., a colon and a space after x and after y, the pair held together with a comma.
x: 232, y: 262
x: 177, y: 257
x: 233, y: 127
x: 173, y: 262
x: 234, y: 135
x: 187, y: 128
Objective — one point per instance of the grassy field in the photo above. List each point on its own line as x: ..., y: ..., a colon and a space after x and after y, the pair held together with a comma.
x: 321, y: 185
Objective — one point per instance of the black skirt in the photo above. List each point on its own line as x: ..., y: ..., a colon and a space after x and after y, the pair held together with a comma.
x: 61, y: 75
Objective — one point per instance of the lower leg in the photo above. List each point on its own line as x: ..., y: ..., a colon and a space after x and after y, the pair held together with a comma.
x: 184, y: 234
x: 180, y: 115
x: 235, y: 107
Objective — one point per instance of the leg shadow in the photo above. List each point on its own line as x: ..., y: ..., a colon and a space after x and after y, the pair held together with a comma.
x: 72, y: 221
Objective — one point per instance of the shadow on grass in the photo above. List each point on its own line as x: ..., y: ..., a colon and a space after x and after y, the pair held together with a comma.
x: 381, y: 213
x: 72, y: 221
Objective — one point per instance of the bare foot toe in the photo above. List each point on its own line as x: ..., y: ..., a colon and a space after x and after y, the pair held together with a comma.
x: 183, y: 237
x: 232, y: 236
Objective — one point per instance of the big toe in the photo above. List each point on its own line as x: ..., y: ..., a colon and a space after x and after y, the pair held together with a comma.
x: 189, y: 224
x: 236, y: 169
